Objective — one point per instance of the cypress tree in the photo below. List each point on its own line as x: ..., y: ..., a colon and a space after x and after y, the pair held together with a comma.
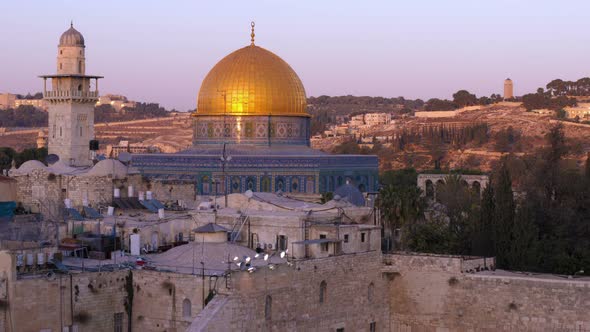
x: 523, y: 253
x: 484, y: 245
x: 504, y: 215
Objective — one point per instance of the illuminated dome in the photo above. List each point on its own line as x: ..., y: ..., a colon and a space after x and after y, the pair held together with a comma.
x: 252, y: 81
x: 71, y: 37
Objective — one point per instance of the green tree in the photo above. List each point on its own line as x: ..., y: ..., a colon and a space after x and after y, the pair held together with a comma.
x: 483, y: 239
x: 504, y: 214
x: 462, y: 209
x: 523, y: 247
x: 463, y: 98
x: 401, y: 207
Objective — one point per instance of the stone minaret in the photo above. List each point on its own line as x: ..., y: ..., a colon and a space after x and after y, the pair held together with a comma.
x: 508, y: 89
x: 71, y: 102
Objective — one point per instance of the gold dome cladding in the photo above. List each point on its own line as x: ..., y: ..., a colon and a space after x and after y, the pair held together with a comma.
x: 252, y: 81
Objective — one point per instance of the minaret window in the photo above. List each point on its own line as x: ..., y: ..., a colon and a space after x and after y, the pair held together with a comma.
x: 60, y: 132
x: 80, y: 131
x: 60, y: 66
x: 79, y: 66
x: 54, y: 131
x: 61, y: 52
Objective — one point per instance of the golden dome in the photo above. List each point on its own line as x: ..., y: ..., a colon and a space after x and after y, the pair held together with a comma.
x: 252, y: 81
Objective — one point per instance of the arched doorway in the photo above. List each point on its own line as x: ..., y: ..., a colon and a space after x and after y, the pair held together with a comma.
x: 309, y: 185
x: 265, y: 184
x: 205, y: 185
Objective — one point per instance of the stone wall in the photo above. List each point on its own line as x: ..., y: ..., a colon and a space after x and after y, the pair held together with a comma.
x: 350, y: 302
x: 159, y: 299
x: 164, y: 191
x: 86, y: 300
x: 429, y: 293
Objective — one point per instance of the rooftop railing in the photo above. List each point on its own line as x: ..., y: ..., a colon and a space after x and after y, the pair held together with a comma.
x: 70, y: 94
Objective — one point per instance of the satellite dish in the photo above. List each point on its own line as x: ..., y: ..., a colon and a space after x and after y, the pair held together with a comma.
x: 124, y: 157
x: 51, y: 159
x: 249, y: 193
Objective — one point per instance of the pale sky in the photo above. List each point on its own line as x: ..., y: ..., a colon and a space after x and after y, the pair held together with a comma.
x: 160, y: 51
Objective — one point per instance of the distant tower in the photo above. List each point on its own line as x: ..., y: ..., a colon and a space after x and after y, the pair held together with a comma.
x: 508, y: 89
x: 71, y: 102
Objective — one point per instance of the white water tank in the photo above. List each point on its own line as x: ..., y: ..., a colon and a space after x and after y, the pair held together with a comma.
x: 30, y: 259
x: 117, y: 193
x: 161, y: 213
x: 68, y: 203
x: 40, y: 258
x: 85, y: 202
x: 130, y: 191
x: 110, y: 211
x: 148, y: 195
x: 141, y: 196
x: 134, y: 244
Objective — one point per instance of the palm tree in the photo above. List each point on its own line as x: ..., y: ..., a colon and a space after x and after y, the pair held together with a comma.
x: 401, y: 207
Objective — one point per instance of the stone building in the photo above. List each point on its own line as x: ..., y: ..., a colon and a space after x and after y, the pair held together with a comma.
x: 71, y: 102
x: 428, y: 183
x: 7, y: 100
x: 252, y: 132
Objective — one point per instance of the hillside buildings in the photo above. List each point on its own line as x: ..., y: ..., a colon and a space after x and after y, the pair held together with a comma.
x: 118, y: 102
x: 11, y: 101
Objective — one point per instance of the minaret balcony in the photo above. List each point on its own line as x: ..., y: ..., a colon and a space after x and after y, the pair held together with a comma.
x: 58, y: 95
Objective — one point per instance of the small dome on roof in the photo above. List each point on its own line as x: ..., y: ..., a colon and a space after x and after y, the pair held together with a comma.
x: 71, y: 37
x: 351, y: 194
x: 31, y: 165
x: 108, y: 167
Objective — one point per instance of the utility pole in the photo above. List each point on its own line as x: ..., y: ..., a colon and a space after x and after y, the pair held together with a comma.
x: 224, y: 160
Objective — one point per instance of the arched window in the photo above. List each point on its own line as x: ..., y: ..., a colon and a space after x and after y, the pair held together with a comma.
x: 61, y: 66
x: 251, y: 183
x: 60, y: 132
x: 235, y: 185
x: 268, y: 308
x: 80, y: 67
x: 476, y: 187
x: 323, y: 290
x: 80, y: 131
x: 61, y: 52
x: 371, y: 292
x: 295, y: 185
x: 79, y: 87
x: 429, y: 189
x: 186, y: 308
x: 280, y: 184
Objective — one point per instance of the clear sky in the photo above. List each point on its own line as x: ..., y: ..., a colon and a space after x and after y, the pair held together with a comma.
x: 161, y: 50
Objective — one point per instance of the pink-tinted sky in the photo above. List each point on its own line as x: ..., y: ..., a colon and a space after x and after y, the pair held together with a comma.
x: 161, y: 50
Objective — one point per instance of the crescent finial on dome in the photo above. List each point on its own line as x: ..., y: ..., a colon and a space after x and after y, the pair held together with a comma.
x: 252, y: 24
